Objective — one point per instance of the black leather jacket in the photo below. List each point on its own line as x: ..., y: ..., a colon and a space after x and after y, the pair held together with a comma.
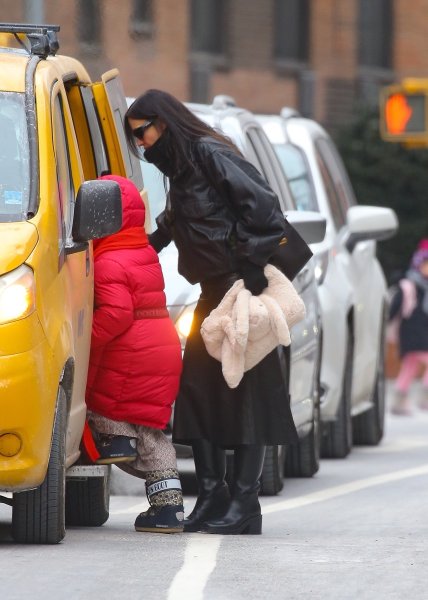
x: 220, y: 213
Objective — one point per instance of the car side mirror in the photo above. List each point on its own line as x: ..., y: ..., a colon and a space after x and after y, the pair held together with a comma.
x: 369, y: 223
x: 98, y: 210
x: 309, y: 224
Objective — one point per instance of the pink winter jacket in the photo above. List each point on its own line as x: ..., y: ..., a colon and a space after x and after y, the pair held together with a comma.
x: 135, y: 361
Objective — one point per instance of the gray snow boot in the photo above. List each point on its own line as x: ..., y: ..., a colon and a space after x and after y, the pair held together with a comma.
x: 166, y: 512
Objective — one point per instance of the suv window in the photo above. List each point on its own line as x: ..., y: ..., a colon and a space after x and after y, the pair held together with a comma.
x: 14, y: 158
x: 338, y: 187
x: 296, y: 169
x: 63, y: 171
x: 333, y: 186
x: 266, y: 157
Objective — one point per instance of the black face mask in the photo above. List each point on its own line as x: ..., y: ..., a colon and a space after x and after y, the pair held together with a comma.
x: 160, y: 155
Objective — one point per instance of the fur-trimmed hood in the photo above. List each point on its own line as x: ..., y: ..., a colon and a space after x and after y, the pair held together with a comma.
x: 243, y: 329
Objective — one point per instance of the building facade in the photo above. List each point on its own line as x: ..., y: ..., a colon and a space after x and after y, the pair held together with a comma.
x: 319, y: 56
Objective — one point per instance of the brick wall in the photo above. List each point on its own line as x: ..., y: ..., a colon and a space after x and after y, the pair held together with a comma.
x: 250, y: 74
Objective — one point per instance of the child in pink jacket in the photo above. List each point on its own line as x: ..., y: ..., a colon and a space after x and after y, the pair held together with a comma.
x: 409, y: 308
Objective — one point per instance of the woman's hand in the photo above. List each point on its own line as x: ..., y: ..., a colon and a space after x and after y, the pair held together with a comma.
x: 254, y: 278
x: 158, y: 240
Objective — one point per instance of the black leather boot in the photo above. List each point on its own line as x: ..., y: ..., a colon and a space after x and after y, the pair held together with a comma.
x: 213, y: 498
x: 244, y: 515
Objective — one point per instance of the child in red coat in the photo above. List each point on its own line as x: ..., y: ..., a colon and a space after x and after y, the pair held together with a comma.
x: 135, y: 364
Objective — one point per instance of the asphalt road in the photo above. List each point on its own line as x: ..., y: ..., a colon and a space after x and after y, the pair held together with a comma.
x: 357, y: 530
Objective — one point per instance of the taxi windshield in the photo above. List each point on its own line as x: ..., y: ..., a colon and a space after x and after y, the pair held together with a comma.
x: 14, y: 158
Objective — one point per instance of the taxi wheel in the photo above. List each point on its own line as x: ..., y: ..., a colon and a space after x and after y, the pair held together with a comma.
x: 87, y: 502
x: 38, y: 516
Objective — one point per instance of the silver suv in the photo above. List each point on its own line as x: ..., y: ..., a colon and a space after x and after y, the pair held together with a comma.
x: 352, y: 286
x: 242, y: 127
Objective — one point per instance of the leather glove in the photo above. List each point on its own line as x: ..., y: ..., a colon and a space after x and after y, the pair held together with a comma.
x: 254, y: 278
x: 158, y: 240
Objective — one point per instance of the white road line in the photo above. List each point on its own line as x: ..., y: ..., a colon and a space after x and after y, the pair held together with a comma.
x: 397, y: 445
x: 321, y: 496
x: 200, y: 559
x: 346, y: 488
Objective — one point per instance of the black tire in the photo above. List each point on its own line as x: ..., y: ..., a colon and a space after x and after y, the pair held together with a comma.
x: 337, y: 435
x: 369, y: 426
x: 38, y: 516
x: 272, y: 479
x: 87, y: 501
x: 303, y: 459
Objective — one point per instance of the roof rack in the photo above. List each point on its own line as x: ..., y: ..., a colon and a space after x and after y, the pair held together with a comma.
x: 287, y: 112
x: 43, y: 39
x: 223, y: 101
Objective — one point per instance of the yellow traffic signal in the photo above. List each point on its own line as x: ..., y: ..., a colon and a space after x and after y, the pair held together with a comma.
x: 404, y: 112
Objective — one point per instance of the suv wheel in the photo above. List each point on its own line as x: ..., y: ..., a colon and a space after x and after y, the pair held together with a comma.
x: 337, y: 436
x: 38, y: 516
x: 368, y: 427
x: 303, y: 459
x: 272, y: 479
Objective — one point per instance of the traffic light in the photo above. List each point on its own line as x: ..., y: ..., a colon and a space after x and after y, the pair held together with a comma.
x: 404, y: 112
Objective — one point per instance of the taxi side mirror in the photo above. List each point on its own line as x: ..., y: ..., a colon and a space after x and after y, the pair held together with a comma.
x: 98, y: 210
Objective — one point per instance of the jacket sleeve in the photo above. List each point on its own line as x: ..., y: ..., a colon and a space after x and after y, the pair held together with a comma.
x: 114, y: 309
x: 256, y: 208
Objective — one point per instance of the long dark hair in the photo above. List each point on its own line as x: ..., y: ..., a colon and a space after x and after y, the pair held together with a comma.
x: 182, y: 126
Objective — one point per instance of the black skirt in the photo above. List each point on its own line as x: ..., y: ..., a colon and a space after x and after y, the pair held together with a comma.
x: 255, y: 412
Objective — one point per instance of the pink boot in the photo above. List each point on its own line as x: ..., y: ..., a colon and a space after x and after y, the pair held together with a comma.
x: 401, y: 404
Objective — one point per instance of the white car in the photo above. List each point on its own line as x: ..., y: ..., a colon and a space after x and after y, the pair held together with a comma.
x: 352, y: 287
x: 242, y: 127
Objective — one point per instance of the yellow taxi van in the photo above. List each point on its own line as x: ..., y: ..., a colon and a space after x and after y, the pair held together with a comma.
x: 59, y: 131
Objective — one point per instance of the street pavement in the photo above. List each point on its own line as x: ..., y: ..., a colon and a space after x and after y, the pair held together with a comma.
x: 358, y: 530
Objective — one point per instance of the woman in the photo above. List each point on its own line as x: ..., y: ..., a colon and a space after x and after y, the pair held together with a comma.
x: 225, y: 222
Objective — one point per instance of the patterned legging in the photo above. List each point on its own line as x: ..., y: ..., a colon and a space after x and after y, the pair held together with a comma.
x: 155, y: 451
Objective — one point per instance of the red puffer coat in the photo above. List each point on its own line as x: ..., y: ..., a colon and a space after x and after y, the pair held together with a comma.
x: 135, y: 361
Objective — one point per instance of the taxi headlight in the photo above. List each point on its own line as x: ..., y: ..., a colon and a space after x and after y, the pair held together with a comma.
x: 17, y: 294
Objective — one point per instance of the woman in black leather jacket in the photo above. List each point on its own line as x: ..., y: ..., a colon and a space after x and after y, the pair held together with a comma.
x: 226, y: 222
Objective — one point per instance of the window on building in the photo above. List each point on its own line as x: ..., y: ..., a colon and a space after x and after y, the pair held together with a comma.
x: 208, y: 27
x: 375, y: 33
x: 88, y: 23
x: 141, y: 21
x: 291, y: 30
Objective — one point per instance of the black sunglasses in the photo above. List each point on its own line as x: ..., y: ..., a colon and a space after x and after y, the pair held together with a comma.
x: 139, y: 131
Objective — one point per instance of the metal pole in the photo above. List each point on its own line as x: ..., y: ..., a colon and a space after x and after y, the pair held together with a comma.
x: 34, y: 11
